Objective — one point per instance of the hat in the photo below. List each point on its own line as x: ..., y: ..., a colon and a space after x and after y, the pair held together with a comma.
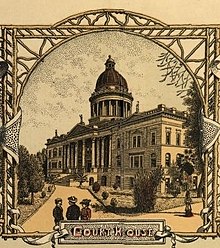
x: 58, y: 200
x: 85, y: 202
x: 72, y: 199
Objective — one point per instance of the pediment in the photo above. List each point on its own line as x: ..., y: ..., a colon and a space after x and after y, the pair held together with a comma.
x: 78, y: 129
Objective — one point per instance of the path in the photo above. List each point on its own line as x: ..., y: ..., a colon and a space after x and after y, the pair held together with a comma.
x: 42, y: 220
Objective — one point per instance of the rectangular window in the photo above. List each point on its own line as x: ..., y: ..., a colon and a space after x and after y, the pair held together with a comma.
x: 131, y: 182
x: 153, y: 138
x: 139, y: 141
x: 136, y: 161
x: 168, y: 137
x: 118, y: 161
x: 60, y: 152
x: 178, y: 138
x: 195, y: 182
x: 134, y: 141
x: 167, y: 184
x: 118, y: 143
x: 141, y: 161
x: 54, y: 165
x: 132, y: 161
x: 50, y: 153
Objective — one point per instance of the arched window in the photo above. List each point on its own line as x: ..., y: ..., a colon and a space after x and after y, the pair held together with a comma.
x: 55, y: 152
x: 179, y: 159
x: 167, y: 159
x: 91, y: 180
x: 60, y: 165
x: 103, y: 181
x: 60, y: 152
x: 153, y: 160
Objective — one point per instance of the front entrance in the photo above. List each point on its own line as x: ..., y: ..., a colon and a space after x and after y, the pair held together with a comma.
x: 103, y: 181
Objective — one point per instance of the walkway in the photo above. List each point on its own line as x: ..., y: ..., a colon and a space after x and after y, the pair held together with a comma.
x: 42, y: 220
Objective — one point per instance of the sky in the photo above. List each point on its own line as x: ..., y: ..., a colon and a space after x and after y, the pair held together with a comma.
x: 58, y: 90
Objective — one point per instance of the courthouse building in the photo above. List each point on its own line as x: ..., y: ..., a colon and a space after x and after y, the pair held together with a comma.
x: 117, y: 143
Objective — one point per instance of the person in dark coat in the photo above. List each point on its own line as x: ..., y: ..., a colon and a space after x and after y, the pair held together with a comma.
x: 85, y: 211
x: 58, y: 211
x: 73, y: 211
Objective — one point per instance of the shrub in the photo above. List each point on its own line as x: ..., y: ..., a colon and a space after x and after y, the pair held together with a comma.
x: 43, y: 194
x: 174, y: 189
x: 49, y: 189
x: 113, y: 202
x: 115, y: 186
x: 145, y: 189
x: 96, y: 187
x: 105, y: 195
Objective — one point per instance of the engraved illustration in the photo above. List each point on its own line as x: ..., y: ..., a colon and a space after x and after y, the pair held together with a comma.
x: 110, y: 127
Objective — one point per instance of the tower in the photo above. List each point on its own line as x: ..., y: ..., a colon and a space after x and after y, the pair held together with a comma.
x: 110, y: 99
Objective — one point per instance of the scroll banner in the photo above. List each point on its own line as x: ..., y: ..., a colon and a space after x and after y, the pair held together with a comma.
x: 10, y: 136
x: 210, y: 133
x: 167, y: 233
x: 215, y: 67
x: 112, y: 232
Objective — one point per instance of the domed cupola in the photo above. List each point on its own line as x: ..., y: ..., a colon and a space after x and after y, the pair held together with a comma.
x: 111, y: 98
x: 110, y: 78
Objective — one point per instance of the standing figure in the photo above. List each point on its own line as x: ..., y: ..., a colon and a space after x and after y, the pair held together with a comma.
x: 188, y: 207
x: 58, y: 211
x: 85, y: 211
x: 73, y: 211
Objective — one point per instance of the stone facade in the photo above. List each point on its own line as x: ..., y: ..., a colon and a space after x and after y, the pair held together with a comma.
x: 117, y: 143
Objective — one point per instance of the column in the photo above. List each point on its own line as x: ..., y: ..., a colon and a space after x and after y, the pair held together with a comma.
x: 102, y: 152
x: 98, y: 152
x: 71, y: 157
x: 116, y: 106
x: 76, y: 156
x: 110, y: 108
x: 93, y: 154
x: 93, y: 110
x: 110, y: 151
x: 83, y: 154
x: 64, y: 158
x: 103, y: 108
x: 68, y: 158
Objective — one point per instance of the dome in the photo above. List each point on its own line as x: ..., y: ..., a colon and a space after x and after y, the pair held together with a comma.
x: 110, y: 78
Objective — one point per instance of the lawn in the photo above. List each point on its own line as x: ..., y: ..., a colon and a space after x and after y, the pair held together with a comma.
x: 27, y: 210
x: 125, y: 201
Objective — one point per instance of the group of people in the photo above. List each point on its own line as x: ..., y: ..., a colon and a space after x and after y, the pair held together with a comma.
x: 73, y: 211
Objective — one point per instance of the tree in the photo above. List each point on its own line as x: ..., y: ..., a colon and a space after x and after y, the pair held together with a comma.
x: 30, y: 174
x: 145, y: 189
x: 36, y: 177
x: 174, y: 188
x: 180, y: 174
x: 23, y: 173
x: 193, y: 133
x: 81, y: 178
x: 42, y: 156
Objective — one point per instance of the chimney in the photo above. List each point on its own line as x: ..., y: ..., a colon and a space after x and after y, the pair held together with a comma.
x: 173, y: 110
x: 56, y: 133
x: 161, y: 107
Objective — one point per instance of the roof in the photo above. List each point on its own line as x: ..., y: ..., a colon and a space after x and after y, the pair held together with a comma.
x: 111, y: 78
x: 82, y: 129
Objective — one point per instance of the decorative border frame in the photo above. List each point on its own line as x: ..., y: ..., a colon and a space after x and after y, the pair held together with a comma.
x: 19, y: 51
